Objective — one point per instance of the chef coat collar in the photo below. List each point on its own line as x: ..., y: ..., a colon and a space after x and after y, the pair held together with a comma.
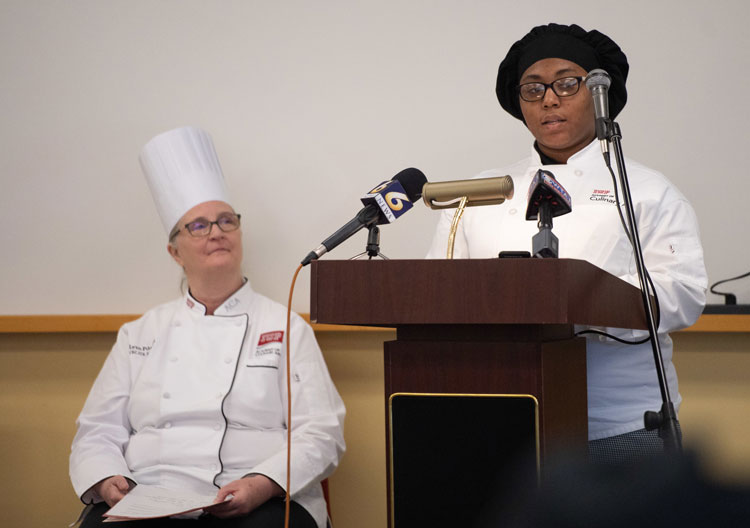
x: 592, y: 149
x: 239, y: 302
x: 546, y: 160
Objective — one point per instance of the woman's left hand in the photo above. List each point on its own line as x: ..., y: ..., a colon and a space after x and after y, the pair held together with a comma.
x: 247, y: 494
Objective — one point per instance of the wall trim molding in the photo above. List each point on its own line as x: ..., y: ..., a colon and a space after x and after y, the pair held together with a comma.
x: 77, y: 323
x: 44, y: 324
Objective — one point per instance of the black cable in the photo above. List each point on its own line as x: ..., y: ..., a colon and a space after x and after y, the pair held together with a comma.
x: 610, y: 336
x: 651, y: 287
x: 630, y: 237
x: 730, y: 298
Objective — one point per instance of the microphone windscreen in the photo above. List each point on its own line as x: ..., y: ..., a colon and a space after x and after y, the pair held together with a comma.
x: 598, y: 77
x: 412, y: 180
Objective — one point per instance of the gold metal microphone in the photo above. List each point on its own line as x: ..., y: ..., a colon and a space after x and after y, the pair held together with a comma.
x: 480, y: 191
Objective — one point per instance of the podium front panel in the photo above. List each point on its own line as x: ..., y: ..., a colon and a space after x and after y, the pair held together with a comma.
x: 455, y: 457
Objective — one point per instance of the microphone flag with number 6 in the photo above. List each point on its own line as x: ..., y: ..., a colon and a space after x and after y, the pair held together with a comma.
x: 390, y: 197
x: 383, y: 204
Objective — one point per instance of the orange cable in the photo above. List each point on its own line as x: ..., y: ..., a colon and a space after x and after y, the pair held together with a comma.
x: 288, y: 498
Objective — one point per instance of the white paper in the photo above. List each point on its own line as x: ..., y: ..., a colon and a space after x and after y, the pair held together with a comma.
x: 148, y: 502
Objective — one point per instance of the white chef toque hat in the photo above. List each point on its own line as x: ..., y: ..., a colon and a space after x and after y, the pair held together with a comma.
x: 182, y: 171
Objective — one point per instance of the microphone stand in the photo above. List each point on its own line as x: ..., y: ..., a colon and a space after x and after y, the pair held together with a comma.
x: 665, y: 419
x: 373, y: 245
x: 544, y: 244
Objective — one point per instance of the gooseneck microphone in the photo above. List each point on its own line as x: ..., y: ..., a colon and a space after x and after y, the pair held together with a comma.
x: 598, y: 82
x: 383, y: 204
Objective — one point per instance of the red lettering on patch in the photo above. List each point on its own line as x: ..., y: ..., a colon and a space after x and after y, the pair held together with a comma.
x: 601, y: 191
x: 271, y: 337
x: 190, y: 303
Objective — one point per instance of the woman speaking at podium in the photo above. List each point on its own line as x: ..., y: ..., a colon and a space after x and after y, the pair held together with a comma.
x: 541, y: 83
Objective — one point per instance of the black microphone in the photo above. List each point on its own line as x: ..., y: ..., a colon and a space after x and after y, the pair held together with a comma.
x: 546, y: 192
x: 598, y: 82
x: 546, y: 199
x: 383, y: 204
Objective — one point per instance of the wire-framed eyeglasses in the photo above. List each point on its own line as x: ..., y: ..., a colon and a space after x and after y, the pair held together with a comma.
x: 201, y: 227
x: 564, y: 87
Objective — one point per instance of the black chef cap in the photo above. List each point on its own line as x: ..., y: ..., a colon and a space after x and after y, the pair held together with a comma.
x: 588, y: 49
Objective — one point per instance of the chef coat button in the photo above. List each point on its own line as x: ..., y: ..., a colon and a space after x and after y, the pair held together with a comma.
x: 239, y: 322
x: 227, y: 360
x: 173, y: 359
x: 166, y: 395
x: 217, y: 427
x: 167, y: 425
x: 177, y: 323
x: 578, y: 172
x: 219, y: 395
x: 513, y: 211
x: 214, y: 467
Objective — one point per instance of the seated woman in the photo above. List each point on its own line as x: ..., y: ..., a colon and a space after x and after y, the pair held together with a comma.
x: 193, y: 394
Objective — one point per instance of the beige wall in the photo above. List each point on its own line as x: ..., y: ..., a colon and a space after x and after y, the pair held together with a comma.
x: 44, y: 380
x: 311, y: 104
x: 714, y: 374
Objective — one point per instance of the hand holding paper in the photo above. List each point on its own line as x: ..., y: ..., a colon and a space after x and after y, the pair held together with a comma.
x: 246, y: 494
x: 149, y: 502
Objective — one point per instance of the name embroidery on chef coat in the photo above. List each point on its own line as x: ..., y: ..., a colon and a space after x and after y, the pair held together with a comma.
x: 140, y: 350
x: 268, y: 350
x: 231, y: 303
x: 603, y: 195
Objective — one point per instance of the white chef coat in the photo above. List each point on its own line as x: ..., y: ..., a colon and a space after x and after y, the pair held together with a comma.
x: 622, y: 379
x: 190, y: 401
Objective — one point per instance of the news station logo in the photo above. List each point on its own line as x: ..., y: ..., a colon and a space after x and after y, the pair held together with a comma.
x: 391, y: 199
x: 546, y: 178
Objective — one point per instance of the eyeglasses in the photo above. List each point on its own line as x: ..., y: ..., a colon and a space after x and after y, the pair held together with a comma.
x: 535, y: 91
x: 201, y: 227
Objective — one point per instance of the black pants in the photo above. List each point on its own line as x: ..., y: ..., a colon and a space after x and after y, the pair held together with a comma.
x: 268, y: 515
x: 628, y: 448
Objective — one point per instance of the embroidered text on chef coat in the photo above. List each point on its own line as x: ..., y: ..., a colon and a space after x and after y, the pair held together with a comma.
x: 268, y: 350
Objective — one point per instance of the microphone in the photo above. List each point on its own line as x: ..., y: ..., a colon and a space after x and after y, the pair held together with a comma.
x: 547, y: 199
x: 545, y: 189
x: 598, y: 82
x: 383, y: 204
x: 479, y: 191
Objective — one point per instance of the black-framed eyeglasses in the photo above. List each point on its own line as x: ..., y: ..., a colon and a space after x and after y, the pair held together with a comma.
x: 201, y: 227
x: 564, y: 87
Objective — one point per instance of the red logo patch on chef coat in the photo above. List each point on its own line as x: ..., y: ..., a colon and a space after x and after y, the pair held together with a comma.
x: 190, y: 303
x: 268, y: 351
x: 603, y: 195
x: 271, y: 337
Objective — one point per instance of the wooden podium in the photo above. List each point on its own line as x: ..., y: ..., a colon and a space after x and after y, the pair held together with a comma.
x: 496, y: 326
